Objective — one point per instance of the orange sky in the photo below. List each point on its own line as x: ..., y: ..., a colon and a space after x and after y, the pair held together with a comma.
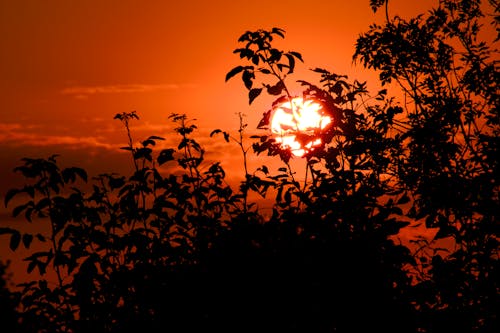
x: 67, y: 67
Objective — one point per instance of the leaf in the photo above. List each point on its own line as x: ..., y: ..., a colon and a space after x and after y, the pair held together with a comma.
x: 17, y: 210
x: 148, y: 142
x: 4, y: 231
x: 276, y: 89
x: 15, y: 239
x: 28, y: 213
x: 81, y: 173
x: 144, y: 153
x: 253, y: 93
x: 10, y: 194
x: 320, y: 70
x: 27, y: 239
x: 31, y: 266
x: 297, y: 55
x: 247, y: 78
x: 264, y: 169
x: 255, y: 59
x: 291, y: 63
x: 275, y: 55
x: 154, y: 137
x: 244, y: 36
x: 376, y: 4
x: 115, y: 183
x: 265, y: 120
x: 215, y: 131
x: 42, y: 204
x: 233, y: 72
x: 278, y: 31
x: 165, y: 156
x: 40, y: 237
x: 69, y: 174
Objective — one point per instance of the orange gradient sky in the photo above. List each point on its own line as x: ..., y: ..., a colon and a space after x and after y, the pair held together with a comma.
x: 67, y: 67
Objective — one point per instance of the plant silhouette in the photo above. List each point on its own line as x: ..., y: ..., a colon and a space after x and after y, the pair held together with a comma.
x: 174, y: 248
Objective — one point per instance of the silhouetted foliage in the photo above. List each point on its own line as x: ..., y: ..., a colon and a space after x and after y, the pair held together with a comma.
x: 450, y: 163
x: 174, y: 248
x: 9, y: 301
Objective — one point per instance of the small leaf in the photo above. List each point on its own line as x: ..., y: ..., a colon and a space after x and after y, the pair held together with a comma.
x: 276, y: 89
x: 4, y: 231
x: 27, y: 239
x: 40, y: 237
x: 253, y: 93
x: 296, y: 55
x: 68, y: 175
x: 247, y: 78
x: 233, y: 72
x: 291, y: 63
x: 148, y: 142
x: 278, y: 31
x: 275, y: 55
x: 320, y: 70
x: 31, y: 266
x: 15, y: 239
x: 81, y: 173
x: 17, y: 210
x: 265, y: 120
x: 154, y: 137
x: 376, y: 4
x: 215, y: 131
x: 10, y: 194
x: 165, y: 156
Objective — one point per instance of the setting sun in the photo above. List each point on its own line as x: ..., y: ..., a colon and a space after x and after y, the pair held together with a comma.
x: 298, y: 116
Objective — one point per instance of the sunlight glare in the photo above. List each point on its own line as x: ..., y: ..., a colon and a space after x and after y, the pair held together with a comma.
x: 304, y: 116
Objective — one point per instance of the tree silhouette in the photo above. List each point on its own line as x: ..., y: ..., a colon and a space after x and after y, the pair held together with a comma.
x: 173, y: 248
x: 450, y: 165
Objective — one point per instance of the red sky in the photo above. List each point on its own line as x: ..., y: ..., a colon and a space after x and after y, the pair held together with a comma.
x: 67, y: 67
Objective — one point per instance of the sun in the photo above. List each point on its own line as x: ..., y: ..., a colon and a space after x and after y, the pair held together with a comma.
x: 298, y: 116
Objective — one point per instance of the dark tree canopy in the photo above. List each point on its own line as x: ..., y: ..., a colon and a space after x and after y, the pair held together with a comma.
x: 173, y: 248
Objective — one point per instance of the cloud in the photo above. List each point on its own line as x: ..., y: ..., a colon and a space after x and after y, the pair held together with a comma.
x: 82, y: 92
x: 104, y: 137
x: 10, y: 127
x: 16, y: 134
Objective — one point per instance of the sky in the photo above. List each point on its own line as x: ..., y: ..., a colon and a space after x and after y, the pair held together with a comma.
x: 67, y: 67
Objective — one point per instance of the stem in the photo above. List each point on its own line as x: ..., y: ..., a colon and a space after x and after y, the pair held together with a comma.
x: 53, y: 230
x: 245, y: 166
x: 54, y: 244
x: 130, y: 143
x: 387, y: 11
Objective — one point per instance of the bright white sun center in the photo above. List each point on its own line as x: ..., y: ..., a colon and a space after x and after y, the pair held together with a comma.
x: 299, y: 116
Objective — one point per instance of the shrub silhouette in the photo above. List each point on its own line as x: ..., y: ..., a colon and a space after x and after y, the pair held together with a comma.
x: 8, y: 301
x: 172, y: 247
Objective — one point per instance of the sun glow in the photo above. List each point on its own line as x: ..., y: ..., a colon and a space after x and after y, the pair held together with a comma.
x: 299, y: 116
